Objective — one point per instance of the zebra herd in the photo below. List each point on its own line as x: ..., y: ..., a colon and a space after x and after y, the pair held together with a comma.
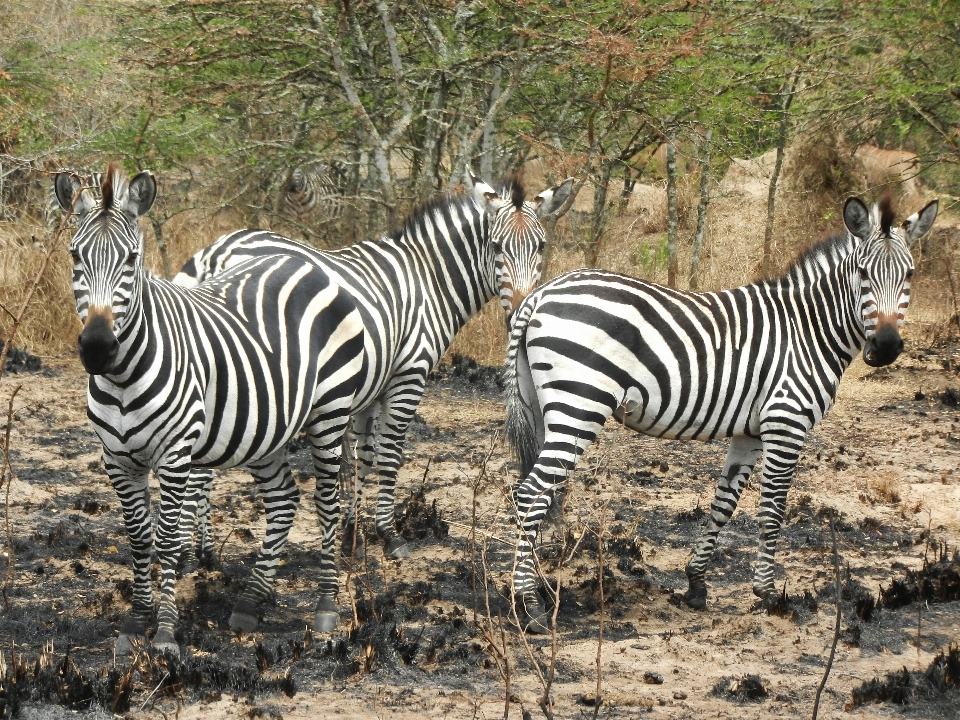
x: 259, y: 337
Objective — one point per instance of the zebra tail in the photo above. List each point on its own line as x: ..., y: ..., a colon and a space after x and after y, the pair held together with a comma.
x: 520, y: 427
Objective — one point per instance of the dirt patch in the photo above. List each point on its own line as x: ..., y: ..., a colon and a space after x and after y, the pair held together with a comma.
x: 421, y: 638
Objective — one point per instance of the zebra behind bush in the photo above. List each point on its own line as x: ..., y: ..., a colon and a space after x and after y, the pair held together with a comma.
x: 53, y: 212
x: 760, y: 364
x: 220, y: 376
x: 315, y: 193
x: 415, y: 289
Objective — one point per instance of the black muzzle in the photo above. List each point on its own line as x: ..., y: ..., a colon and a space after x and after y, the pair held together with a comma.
x: 98, y: 346
x: 883, y: 347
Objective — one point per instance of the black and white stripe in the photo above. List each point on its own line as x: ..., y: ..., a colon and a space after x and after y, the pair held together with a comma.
x: 759, y: 364
x: 315, y: 193
x: 415, y: 290
x: 218, y: 376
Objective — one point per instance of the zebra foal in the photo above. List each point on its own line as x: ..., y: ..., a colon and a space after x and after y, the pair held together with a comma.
x: 219, y: 376
x: 760, y: 364
x: 414, y: 289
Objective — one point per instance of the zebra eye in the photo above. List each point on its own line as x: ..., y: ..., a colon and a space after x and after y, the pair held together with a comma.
x: 910, y: 274
x: 497, y: 247
x: 863, y: 274
x: 131, y: 260
x: 541, y: 245
x: 76, y: 257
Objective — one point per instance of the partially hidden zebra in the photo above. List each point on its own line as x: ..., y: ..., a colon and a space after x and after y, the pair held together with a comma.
x: 760, y: 364
x: 415, y: 289
x: 315, y: 192
x: 223, y: 375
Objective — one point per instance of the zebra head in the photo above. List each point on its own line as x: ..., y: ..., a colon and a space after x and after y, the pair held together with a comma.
x: 883, y: 267
x: 107, y: 251
x: 516, y: 234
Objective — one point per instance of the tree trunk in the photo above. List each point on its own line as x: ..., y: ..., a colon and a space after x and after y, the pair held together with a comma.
x: 489, y: 130
x: 701, y: 210
x: 767, y: 264
x: 600, y: 213
x: 672, y: 207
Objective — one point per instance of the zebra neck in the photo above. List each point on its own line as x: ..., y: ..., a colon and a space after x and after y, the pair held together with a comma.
x: 825, y: 312
x: 445, y: 264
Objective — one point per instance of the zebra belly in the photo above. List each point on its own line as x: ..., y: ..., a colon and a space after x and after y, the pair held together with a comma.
x: 645, y: 381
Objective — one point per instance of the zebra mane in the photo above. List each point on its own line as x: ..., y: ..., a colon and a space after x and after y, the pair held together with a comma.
x: 511, y: 185
x: 887, y: 211
x: 114, y: 184
x: 822, y: 256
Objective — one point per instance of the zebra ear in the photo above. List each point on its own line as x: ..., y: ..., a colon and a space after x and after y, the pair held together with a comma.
x: 551, y: 199
x: 919, y: 224
x: 65, y: 186
x: 141, y: 192
x: 857, y: 218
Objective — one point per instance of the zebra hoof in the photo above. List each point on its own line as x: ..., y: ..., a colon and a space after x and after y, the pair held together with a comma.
x: 326, y: 618
x: 244, y: 617
x: 187, y: 565
x: 349, y: 546
x: 165, y: 642
x: 696, y: 595
x: 123, y: 645
x: 767, y: 593
x: 396, y: 548
x: 537, y: 617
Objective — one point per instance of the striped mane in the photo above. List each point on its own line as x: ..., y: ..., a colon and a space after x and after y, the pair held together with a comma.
x: 510, y: 186
x: 821, y: 257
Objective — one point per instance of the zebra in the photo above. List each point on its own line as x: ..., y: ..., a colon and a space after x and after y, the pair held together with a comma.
x: 315, y: 191
x: 415, y: 289
x: 760, y: 364
x: 218, y: 376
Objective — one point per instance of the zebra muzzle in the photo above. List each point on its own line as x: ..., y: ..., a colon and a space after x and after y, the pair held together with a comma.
x: 883, y: 347
x: 98, y: 346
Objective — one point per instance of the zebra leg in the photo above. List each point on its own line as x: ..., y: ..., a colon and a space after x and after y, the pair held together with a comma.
x: 174, y: 476
x: 781, y: 450
x: 533, y: 499
x: 326, y: 430
x: 280, y: 496
x: 359, y: 456
x: 741, y: 459
x: 196, y: 517
x: 399, y: 405
x: 132, y: 490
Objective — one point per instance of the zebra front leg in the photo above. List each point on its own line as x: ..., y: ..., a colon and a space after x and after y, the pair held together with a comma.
x: 174, y: 475
x: 741, y: 459
x: 280, y: 496
x: 780, y: 455
x: 132, y: 490
x: 195, y: 519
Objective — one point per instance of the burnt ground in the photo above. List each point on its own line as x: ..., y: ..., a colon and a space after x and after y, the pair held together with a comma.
x: 432, y: 636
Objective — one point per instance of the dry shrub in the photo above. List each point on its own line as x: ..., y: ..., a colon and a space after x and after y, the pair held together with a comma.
x: 51, y: 324
x: 484, y: 337
x: 883, y: 487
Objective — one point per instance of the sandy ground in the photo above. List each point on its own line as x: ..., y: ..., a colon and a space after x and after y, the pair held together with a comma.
x: 418, y: 640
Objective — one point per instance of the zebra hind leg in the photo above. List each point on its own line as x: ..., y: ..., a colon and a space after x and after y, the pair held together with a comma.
x: 280, y: 496
x: 741, y: 459
x: 195, y: 520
